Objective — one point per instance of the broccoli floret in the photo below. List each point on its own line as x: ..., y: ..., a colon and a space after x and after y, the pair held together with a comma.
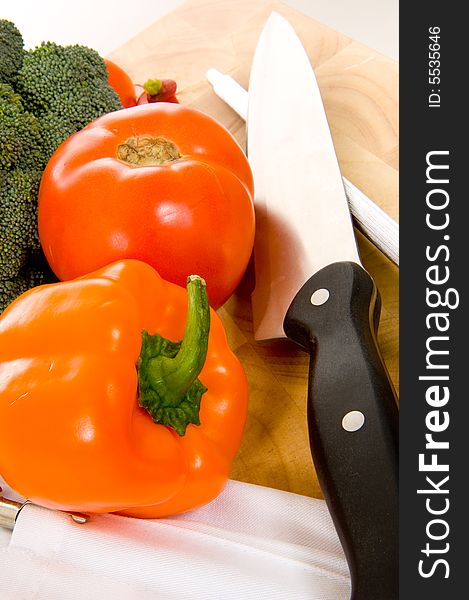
x: 21, y: 143
x: 36, y: 272
x: 11, y: 52
x: 67, y: 87
x: 46, y: 95
x: 21, y: 164
x: 18, y: 219
x: 55, y: 129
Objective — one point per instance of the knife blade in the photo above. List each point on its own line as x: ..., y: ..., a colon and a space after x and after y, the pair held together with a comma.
x: 311, y: 287
x: 368, y: 217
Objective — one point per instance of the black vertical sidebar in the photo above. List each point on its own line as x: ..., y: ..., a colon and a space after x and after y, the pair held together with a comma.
x: 434, y: 324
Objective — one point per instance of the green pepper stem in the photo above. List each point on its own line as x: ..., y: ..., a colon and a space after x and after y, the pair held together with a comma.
x: 181, y: 371
x: 168, y: 371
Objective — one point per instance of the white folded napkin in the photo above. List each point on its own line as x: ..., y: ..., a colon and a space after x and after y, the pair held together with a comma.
x: 250, y: 543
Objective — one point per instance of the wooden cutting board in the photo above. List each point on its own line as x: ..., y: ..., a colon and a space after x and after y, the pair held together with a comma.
x: 360, y: 92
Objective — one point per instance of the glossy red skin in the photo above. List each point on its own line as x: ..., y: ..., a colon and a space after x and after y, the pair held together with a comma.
x: 193, y: 215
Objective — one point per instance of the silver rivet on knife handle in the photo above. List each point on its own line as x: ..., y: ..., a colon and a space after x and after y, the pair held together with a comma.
x: 320, y: 297
x: 353, y: 421
x: 369, y: 218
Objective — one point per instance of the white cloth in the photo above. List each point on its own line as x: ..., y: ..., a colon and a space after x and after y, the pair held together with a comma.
x: 250, y: 543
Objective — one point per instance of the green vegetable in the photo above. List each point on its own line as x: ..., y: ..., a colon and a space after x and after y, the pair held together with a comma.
x: 35, y: 272
x: 18, y: 217
x: 21, y: 163
x: 11, y: 52
x: 46, y: 94
x: 20, y: 134
x: 66, y: 87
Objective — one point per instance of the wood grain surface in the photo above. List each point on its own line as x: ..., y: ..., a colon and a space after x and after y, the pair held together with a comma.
x: 360, y: 92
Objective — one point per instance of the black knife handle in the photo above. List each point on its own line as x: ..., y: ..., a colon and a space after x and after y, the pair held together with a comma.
x: 335, y: 318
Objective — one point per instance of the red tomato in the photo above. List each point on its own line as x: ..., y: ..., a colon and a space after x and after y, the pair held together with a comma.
x: 103, y: 198
x: 121, y: 82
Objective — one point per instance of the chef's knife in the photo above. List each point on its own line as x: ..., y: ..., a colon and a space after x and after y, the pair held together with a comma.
x: 311, y: 287
x: 369, y: 218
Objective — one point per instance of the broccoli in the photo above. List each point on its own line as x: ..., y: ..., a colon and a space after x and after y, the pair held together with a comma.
x: 56, y: 128
x: 21, y: 143
x: 21, y: 166
x: 66, y: 87
x: 18, y: 218
x: 46, y: 94
x: 11, y: 52
x: 35, y: 272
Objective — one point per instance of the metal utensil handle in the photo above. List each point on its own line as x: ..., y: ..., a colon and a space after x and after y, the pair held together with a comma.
x: 9, y: 510
x: 369, y: 218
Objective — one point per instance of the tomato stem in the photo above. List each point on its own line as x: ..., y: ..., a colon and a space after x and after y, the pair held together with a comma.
x: 169, y: 388
x: 146, y: 150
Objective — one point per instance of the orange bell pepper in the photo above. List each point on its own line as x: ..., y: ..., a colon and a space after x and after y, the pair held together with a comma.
x: 96, y: 416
